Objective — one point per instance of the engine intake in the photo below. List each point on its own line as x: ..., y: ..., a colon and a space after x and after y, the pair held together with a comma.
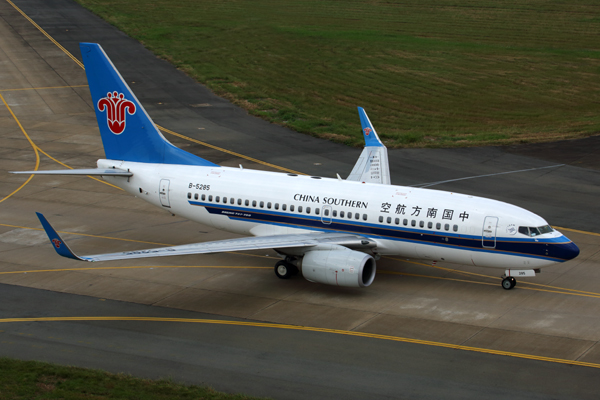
x: 339, y: 267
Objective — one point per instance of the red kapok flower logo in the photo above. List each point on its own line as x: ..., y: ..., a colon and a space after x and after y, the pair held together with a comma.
x: 367, y: 131
x: 115, y: 105
x: 56, y: 243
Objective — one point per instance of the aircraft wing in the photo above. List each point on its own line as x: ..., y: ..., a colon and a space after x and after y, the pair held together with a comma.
x: 249, y: 243
x: 372, y: 165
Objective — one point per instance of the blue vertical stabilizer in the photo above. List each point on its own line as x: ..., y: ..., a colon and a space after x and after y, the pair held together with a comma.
x: 127, y: 131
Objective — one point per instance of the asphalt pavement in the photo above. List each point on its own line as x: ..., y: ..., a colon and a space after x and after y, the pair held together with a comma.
x: 278, y: 362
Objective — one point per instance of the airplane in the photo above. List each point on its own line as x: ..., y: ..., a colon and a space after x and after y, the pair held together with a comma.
x: 330, y: 229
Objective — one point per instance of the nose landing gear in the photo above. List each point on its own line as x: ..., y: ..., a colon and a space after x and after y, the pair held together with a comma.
x: 509, y: 282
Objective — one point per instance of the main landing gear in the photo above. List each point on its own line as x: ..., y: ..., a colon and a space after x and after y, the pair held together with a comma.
x: 284, y: 269
x: 509, y: 282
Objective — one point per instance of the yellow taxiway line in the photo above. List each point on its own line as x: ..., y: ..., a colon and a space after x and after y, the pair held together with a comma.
x: 308, y: 329
x: 33, y: 145
x: 43, y: 88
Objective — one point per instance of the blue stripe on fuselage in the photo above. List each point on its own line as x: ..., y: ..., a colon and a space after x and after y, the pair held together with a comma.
x: 534, y: 248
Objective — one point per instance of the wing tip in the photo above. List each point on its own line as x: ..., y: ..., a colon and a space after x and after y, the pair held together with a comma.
x: 369, y: 133
x: 57, y: 242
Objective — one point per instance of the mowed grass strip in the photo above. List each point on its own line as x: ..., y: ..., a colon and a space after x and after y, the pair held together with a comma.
x: 429, y: 72
x: 37, y: 380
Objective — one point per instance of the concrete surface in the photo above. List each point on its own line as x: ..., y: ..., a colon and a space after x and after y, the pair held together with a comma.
x: 553, y: 315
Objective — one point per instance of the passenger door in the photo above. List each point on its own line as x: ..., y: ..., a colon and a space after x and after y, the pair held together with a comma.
x: 488, y: 238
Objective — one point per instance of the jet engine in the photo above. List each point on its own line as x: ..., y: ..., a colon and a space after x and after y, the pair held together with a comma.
x: 339, y: 267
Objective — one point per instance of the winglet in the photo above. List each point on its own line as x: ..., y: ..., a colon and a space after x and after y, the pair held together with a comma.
x: 371, y: 137
x: 372, y: 165
x: 59, y: 245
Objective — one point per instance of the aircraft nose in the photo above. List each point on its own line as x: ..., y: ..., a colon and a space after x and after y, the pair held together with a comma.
x: 568, y: 251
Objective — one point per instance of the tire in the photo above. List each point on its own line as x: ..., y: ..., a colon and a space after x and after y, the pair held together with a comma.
x: 283, y: 270
x: 507, y: 283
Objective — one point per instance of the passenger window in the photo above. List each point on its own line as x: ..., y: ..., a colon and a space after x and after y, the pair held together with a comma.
x: 203, y: 197
x: 269, y: 205
x: 430, y: 225
x: 284, y: 207
x: 349, y: 215
x: 389, y: 220
x: 292, y: 207
x: 247, y: 202
x: 356, y: 216
x: 277, y: 206
x: 447, y: 227
x: 232, y: 201
x: 239, y: 202
x: 455, y: 228
x: 317, y: 210
x: 342, y: 214
x: 438, y: 226
x: 195, y: 196
x: 364, y: 217
x: 421, y: 224
x: 335, y: 213
x: 262, y: 204
x: 217, y: 198
x: 210, y: 197
x: 299, y: 209
x: 413, y: 223
x: 405, y: 222
x: 308, y: 210
x: 397, y: 221
x: 326, y: 212
x: 189, y: 195
x: 380, y: 218
x: 224, y: 200
x: 253, y: 203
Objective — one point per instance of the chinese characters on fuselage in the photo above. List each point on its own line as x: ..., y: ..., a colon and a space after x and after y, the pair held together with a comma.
x: 416, y: 211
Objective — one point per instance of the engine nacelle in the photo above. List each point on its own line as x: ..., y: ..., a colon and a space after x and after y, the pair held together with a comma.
x: 339, y: 267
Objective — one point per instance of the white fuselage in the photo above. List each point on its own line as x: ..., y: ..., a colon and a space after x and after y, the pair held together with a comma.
x: 410, y: 222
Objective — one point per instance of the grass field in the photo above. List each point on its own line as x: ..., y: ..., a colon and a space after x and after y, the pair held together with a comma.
x: 36, y: 380
x: 428, y: 72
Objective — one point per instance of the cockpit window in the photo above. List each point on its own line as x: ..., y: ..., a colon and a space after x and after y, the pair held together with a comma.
x: 533, y: 231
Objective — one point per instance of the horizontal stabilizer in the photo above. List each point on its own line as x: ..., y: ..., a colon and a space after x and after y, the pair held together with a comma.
x: 89, y: 171
x: 247, y: 243
x: 372, y: 165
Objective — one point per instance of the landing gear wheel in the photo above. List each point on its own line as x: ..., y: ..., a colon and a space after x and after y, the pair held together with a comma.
x: 284, y: 270
x: 509, y: 282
